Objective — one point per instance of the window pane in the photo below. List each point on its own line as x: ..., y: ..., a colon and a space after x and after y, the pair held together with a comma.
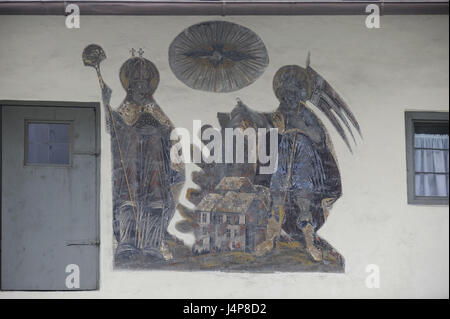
x: 58, y: 133
x: 48, y: 143
x: 432, y: 185
x: 436, y: 141
x: 59, y: 153
x: 431, y: 156
x: 37, y: 153
x: 431, y: 161
x: 37, y: 133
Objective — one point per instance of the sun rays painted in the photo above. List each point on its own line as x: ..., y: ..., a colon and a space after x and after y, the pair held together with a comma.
x: 218, y: 56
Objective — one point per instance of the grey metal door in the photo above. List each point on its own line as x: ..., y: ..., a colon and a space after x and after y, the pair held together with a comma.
x: 49, y: 233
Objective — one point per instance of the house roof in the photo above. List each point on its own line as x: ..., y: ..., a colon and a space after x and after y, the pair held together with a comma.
x: 231, y: 202
x: 234, y: 195
x: 208, y: 202
x: 234, y: 202
x: 235, y: 183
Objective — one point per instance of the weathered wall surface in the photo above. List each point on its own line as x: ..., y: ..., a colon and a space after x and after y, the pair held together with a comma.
x: 380, y: 72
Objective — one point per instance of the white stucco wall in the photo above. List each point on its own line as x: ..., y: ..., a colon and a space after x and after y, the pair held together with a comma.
x: 380, y: 72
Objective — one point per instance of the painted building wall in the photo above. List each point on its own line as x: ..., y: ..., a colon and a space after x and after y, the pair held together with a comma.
x: 381, y: 73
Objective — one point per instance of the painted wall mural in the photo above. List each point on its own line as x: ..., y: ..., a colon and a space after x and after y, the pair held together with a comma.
x: 245, y: 219
x: 145, y: 181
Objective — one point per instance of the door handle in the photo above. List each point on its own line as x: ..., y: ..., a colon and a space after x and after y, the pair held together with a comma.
x: 82, y: 243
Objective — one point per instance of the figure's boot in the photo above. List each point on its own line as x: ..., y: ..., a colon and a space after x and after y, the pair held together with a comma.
x: 273, y: 231
x: 308, y: 232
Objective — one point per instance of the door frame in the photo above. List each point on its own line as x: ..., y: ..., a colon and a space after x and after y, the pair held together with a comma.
x: 96, y: 107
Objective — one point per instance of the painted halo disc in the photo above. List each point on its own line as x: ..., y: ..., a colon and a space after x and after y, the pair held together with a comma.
x: 217, y: 56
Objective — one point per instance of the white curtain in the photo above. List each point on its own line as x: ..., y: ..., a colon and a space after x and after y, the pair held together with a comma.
x: 431, y: 164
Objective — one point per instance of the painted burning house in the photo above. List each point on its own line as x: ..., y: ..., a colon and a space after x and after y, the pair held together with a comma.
x: 234, y: 218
